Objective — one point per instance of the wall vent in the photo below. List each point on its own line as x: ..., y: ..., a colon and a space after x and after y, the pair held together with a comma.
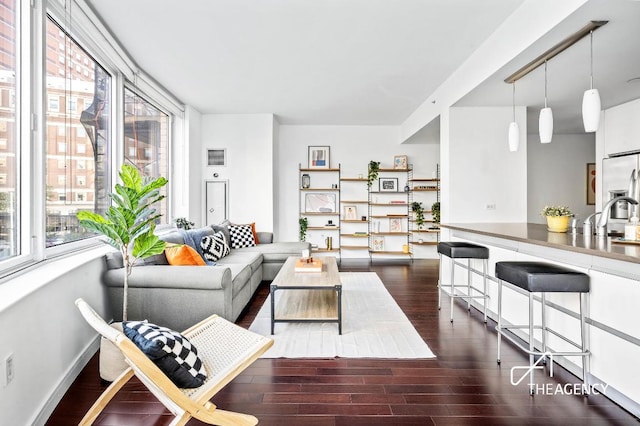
x: 216, y: 157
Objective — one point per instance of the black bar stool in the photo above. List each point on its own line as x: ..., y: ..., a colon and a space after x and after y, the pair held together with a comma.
x: 462, y: 250
x: 539, y: 277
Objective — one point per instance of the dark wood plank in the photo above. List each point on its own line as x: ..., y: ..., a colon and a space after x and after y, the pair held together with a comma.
x: 462, y: 386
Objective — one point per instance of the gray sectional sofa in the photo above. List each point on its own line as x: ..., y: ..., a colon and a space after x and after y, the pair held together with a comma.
x: 180, y: 296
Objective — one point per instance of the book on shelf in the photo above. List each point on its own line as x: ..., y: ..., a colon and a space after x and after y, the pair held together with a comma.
x: 308, y: 265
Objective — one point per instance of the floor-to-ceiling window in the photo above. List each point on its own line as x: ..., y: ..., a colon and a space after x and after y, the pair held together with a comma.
x: 78, y: 136
x: 146, y: 139
x: 61, y: 127
x: 9, y: 137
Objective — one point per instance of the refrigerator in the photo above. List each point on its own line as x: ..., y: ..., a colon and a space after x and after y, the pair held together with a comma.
x: 620, y: 178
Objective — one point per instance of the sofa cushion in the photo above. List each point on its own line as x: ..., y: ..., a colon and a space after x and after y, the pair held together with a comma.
x: 253, y: 259
x: 214, y: 246
x: 241, y: 236
x: 225, y: 231
x: 173, y: 237
x: 170, y: 351
x: 240, y: 276
x: 278, y: 252
x: 183, y: 255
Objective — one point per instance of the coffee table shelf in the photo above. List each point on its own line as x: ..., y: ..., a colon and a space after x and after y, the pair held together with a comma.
x: 309, y: 296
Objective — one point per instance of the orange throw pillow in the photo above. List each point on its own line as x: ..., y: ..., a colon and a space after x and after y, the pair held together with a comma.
x: 183, y: 255
x: 255, y: 234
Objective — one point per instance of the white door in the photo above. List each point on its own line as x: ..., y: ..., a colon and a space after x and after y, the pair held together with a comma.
x: 216, y: 201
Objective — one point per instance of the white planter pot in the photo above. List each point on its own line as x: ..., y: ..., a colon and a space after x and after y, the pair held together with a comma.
x: 112, y: 362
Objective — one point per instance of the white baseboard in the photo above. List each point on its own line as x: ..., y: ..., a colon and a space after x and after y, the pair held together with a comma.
x: 74, y: 370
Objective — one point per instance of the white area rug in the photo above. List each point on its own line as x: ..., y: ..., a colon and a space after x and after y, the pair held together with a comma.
x: 373, y: 326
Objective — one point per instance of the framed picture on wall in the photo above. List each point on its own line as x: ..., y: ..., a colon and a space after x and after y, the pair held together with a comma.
x: 319, y: 157
x: 350, y: 213
x: 400, y: 162
x: 378, y: 244
x: 320, y: 203
x: 591, y: 184
x: 395, y: 224
x: 388, y: 184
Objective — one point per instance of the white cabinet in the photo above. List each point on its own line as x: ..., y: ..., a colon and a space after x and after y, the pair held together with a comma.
x: 622, y: 128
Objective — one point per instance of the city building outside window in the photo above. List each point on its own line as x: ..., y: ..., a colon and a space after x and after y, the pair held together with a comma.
x: 146, y: 140
x: 9, y: 135
x: 92, y: 146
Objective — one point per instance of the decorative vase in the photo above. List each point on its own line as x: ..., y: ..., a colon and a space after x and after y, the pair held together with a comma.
x: 558, y: 223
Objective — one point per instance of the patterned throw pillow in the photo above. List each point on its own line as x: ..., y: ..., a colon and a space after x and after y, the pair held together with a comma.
x: 169, y: 350
x: 241, y: 236
x: 214, y: 246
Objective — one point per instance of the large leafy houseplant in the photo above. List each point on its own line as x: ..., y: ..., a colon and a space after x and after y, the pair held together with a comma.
x: 129, y: 223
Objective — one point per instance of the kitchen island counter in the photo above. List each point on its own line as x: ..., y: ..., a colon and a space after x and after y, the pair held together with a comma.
x: 534, y: 233
x: 614, y: 272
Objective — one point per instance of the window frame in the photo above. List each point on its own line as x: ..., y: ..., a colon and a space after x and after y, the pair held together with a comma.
x: 31, y: 102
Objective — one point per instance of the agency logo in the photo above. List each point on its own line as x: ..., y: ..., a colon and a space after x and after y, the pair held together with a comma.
x: 526, y: 370
x: 520, y: 372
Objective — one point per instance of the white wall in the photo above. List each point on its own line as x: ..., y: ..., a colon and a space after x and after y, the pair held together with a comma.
x: 478, y: 168
x: 352, y: 147
x: 50, y: 341
x: 194, y: 167
x: 248, y: 139
x: 557, y: 174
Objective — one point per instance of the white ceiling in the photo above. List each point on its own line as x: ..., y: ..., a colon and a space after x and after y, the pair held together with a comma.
x: 616, y: 52
x: 361, y: 62
x: 307, y: 61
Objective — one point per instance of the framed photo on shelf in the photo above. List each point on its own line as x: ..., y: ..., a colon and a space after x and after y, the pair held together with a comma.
x: 591, y: 184
x: 388, y: 184
x: 319, y: 157
x: 395, y: 224
x: 400, y: 162
x: 378, y: 244
x: 319, y: 203
x: 350, y: 213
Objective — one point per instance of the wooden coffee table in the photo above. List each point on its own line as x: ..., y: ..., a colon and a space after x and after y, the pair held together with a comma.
x: 310, y: 296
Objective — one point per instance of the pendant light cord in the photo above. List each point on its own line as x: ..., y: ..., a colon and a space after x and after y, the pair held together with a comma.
x: 591, y: 59
x: 545, y: 83
x: 514, y: 101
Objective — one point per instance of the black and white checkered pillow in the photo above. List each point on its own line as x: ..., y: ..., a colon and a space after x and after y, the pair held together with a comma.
x: 170, y: 351
x: 241, y: 236
x: 214, y: 247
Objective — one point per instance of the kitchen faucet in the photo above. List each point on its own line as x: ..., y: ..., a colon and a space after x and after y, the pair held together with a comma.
x: 601, y: 229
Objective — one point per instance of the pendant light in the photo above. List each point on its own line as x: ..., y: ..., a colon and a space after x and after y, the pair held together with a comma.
x: 545, y: 121
x: 591, y: 101
x: 514, y: 130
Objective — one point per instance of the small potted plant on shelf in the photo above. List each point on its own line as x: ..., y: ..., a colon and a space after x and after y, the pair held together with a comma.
x: 184, y: 223
x: 557, y: 218
x: 435, y: 213
x: 416, y: 207
x: 304, y: 224
x: 374, y: 169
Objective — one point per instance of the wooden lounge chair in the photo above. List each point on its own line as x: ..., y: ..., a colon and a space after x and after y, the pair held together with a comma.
x: 225, y: 348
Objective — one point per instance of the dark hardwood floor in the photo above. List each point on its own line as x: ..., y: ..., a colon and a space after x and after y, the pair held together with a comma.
x: 462, y: 386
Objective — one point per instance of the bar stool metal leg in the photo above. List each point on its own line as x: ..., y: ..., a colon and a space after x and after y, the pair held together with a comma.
x: 531, y: 344
x: 469, y: 284
x: 453, y: 269
x: 543, y: 303
x: 583, y: 336
x: 440, y: 282
x: 499, y: 317
x: 484, y: 286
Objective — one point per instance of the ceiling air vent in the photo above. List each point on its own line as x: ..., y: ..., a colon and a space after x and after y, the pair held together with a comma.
x: 216, y: 157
